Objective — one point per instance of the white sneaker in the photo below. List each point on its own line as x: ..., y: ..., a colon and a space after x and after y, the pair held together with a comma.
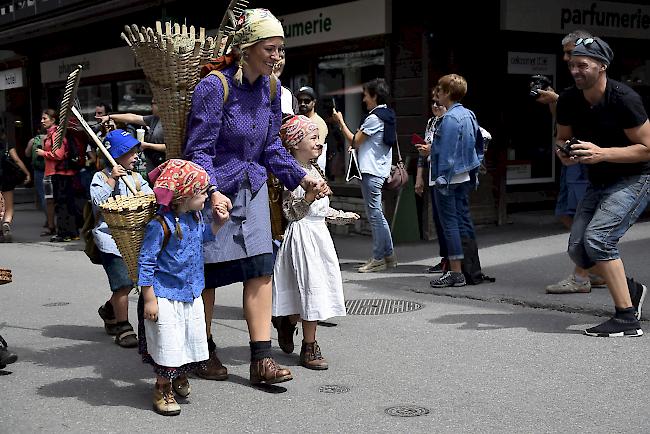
x: 364, y: 264
x: 569, y: 286
x: 374, y: 265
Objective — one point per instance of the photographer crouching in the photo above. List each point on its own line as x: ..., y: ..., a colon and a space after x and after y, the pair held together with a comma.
x: 573, y: 179
x: 613, y: 141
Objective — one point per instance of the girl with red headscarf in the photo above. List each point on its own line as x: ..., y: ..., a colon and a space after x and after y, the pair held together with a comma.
x: 172, y: 334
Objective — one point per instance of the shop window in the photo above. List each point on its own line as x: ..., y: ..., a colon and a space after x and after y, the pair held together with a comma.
x: 134, y: 96
x: 339, y: 80
x: 90, y: 96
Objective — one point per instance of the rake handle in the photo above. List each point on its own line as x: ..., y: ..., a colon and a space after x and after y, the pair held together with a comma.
x: 102, y: 148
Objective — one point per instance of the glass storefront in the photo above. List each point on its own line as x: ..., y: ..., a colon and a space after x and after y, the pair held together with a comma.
x: 339, y: 80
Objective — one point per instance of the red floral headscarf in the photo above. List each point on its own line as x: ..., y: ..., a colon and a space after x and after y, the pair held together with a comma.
x: 296, y: 128
x: 178, y: 178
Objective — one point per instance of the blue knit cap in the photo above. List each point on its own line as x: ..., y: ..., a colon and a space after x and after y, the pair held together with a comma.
x: 595, y: 48
x: 119, y: 142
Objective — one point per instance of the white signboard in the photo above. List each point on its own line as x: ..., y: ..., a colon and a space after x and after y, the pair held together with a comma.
x: 531, y: 63
x: 98, y: 63
x: 11, y: 78
x: 625, y: 20
x: 335, y: 23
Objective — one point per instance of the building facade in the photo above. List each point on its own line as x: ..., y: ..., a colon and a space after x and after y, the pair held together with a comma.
x: 335, y: 46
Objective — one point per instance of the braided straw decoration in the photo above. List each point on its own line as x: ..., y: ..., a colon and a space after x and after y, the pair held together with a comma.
x: 171, y: 60
x: 127, y: 217
x: 5, y: 276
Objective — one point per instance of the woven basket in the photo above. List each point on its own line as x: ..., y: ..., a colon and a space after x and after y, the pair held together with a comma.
x: 126, y: 217
x: 5, y: 276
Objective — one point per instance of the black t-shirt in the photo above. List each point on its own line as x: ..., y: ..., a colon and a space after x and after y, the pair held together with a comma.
x: 603, y: 124
x: 154, y: 134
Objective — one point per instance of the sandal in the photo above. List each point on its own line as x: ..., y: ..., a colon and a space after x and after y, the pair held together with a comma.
x: 6, y: 232
x: 6, y: 356
x: 48, y: 232
x: 106, y: 313
x: 126, y: 337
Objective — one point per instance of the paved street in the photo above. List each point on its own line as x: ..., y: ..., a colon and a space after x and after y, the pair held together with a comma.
x: 500, y: 357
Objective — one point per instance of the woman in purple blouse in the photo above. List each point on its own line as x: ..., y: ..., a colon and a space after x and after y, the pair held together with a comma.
x: 235, y: 138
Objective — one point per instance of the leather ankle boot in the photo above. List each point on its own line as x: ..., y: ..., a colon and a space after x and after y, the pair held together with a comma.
x: 213, y: 370
x: 285, y: 329
x: 311, y: 358
x: 181, y: 386
x: 163, y: 400
x: 268, y: 371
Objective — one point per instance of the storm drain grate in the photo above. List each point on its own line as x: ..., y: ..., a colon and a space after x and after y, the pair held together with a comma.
x: 380, y: 306
x: 406, y: 411
x: 333, y: 388
x: 55, y: 304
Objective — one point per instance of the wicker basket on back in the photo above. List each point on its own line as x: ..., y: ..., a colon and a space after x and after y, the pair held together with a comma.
x: 127, y: 217
x: 5, y: 276
x: 171, y: 59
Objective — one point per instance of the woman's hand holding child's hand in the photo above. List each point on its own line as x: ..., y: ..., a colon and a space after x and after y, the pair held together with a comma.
x: 221, y: 216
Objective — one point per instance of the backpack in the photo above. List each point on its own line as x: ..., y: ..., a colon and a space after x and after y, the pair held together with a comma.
x: 90, y: 221
x: 166, y: 232
x: 75, y: 153
x: 226, y: 90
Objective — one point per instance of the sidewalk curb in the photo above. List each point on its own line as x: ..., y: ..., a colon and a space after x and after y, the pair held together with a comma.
x: 518, y: 302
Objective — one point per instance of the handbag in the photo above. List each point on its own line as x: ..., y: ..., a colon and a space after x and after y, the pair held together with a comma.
x: 11, y: 172
x: 398, y: 175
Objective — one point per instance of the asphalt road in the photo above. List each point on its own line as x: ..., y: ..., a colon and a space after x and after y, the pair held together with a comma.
x: 500, y: 357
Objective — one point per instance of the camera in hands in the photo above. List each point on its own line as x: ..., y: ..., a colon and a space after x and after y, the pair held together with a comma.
x: 566, y: 147
x: 538, y: 82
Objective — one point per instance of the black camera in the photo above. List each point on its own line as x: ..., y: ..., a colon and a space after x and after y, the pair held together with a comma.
x: 538, y: 82
x: 566, y: 147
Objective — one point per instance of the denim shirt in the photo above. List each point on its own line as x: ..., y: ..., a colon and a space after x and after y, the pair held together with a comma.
x: 457, y: 145
x: 176, y: 271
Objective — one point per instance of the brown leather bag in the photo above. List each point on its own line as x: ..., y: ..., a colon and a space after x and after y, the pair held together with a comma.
x: 398, y: 175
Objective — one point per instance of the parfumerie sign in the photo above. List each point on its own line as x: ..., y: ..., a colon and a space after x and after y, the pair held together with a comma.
x: 335, y: 23
x: 98, y: 63
x: 625, y: 20
x: 11, y: 78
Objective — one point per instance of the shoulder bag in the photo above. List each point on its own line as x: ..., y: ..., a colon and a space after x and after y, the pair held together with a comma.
x: 398, y: 175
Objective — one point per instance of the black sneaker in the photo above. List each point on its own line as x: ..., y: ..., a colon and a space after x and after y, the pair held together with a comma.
x: 6, y: 356
x: 616, y: 327
x: 450, y: 278
x: 440, y: 267
x: 637, y: 294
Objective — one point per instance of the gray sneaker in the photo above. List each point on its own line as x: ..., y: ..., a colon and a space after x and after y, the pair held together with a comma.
x: 365, y: 264
x: 391, y: 261
x: 450, y: 278
x: 569, y: 286
x: 372, y: 266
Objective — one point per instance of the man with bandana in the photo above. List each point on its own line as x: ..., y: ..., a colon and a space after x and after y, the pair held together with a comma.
x: 602, y: 124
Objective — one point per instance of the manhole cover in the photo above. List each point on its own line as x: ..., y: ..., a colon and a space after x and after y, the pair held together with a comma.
x: 333, y: 388
x: 58, y: 303
x: 406, y: 411
x: 380, y: 306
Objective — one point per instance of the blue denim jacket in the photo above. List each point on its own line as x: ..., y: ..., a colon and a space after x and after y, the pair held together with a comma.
x: 457, y: 145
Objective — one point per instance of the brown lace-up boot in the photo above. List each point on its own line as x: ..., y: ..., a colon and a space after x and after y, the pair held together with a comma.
x: 163, y: 400
x: 311, y: 358
x: 213, y: 370
x: 285, y: 329
x: 268, y: 371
